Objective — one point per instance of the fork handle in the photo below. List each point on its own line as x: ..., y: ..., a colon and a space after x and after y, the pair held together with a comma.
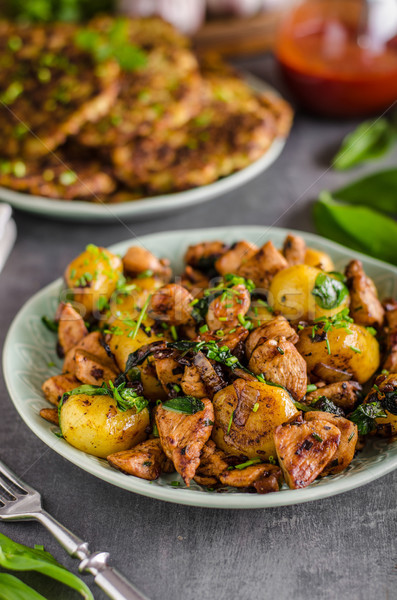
x: 106, y: 577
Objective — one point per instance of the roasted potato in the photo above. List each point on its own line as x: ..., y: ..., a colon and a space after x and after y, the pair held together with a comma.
x: 320, y: 260
x: 291, y: 293
x: 266, y: 407
x: 353, y: 350
x: 93, y: 277
x: 94, y: 424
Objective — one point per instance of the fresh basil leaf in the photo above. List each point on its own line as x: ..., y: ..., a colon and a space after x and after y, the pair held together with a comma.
x: 12, y: 588
x: 364, y: 416
x: 389, y: 401
x: 329, y: 292
x: 50, y: 324
x: 18, y: 557
x: 188, y: 405
x: 357, y: 227
x: 371, y: 140
x: 378, y: 191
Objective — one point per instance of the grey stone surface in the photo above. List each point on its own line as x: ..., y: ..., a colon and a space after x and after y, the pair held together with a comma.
x: 340, y: 548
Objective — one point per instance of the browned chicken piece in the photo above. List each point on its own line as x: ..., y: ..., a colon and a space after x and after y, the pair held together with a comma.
x: 273, y: 329
x: 232, y: 339
x: 348, y: 441
x: 146, y: 460
x: 194, y: 280
x: 192, y: 384
x: 343, y: 393
x: 237, y: 254
x: 213, y: 462
x: 248, y: 477
x: 212, y: 379
x: 247, y: 397
x: 170, y: 374
x: 90, y: 369
x: 365, y: 307
x: 71, y: 328
x: 390, y: 363
x: 92, y: 344
x: 294, y: 249
x: 183, y: 436
x: 55, y: 387
x: 304, y: 449
x: 263, y: 266
x: 138, y: 260
x: 50, y: 415
x: 384, y: 390
x: 171, y: 304
x: 280, y: 362
x: 225, y: 310
x: 202, y: 256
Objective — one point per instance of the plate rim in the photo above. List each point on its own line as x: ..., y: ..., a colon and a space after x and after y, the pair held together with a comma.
x: 184, y: 496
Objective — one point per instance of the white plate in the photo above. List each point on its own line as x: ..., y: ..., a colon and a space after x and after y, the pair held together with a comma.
x: 147, y: 207
x: 30, y: 347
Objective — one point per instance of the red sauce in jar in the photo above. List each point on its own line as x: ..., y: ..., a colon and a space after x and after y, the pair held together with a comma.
x: 327, y: 69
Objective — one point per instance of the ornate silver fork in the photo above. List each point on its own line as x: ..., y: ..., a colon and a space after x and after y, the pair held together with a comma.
x: 19, y: 501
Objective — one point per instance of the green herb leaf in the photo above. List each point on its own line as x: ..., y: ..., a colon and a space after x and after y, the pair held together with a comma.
x: 188, y: 405
x: 326, y: 405
x: 127, y: 398
x: 376, y: 191
x: 369, y: 141
x: 248, y: 463
x: 17, y: 557
x: 364, y: 416
x: 50, y: 324
x: 389, y: 401
x: 12, y: 588
x: 317, y: 437
x: 329, y: 292
x: 358, y: 227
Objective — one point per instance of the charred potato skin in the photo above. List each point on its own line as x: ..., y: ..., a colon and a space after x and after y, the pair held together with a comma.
x: 291, y: 294
x: 361, y: 362
x: 255, y: 438
x: 96, y: 426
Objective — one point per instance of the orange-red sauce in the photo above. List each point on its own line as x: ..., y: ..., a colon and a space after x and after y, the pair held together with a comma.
x: 328, y: 71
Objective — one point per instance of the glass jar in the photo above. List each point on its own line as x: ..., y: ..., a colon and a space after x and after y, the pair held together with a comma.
x: 339, y: 57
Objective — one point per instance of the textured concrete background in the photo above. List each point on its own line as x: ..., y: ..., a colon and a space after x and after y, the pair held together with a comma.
x: 340, y: 548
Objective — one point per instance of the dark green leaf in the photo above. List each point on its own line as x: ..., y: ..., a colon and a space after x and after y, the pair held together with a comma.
x: 389, y: 401
x: 326, y: 405
x: 12, y: 588
x: 358, y: 227
x: 188, y: 405
x: 17, y: 557
x: 127, y: 398
x: 369, y: 141
x: 364, y: 416
x: 378, y: 191
x: 329, y: 292
x: 50, y: 324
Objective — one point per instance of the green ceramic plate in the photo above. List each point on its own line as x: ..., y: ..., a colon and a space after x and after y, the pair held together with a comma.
x: 30, y: 347
x: 147, y: 208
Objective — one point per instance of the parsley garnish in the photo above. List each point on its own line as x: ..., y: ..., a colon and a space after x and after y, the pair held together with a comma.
x: 329, y: 292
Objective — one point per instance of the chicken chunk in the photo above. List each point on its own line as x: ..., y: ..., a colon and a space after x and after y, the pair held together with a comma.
x: 239, y: 253
x: 71, y: 328
x: 365, y: 307
x: 90, y: 369
x: 146, y: 460
x: 55, y: 387
x: 138, y: 260
x: 348, y: 441
x: 304, y: 449
x: 390, y: 363
x: 183, y: 437
x: 171, y: 304
x: 253, y: 475
x: 263, y: 266
x: 213, y: 462
x: 170, y: 374
x: 195, y: 281
x: 212, y: 379
x: 280, y: 362
x: 192, y: 384
x: 202, y: 256
x: 91, y: 343
x: 343, y: 393
x: 273, y: 329
x: 50, y: 415
x: 294, y: 249
x: 224, y: 311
